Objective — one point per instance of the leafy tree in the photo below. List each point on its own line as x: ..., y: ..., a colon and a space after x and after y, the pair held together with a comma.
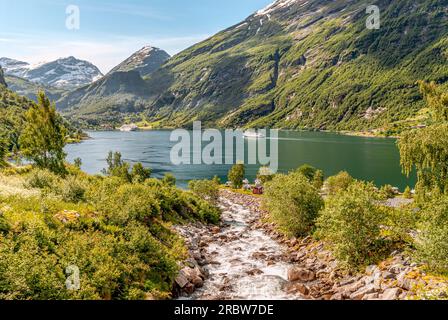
x: 293, y: 203
x: 140, y: 173
x: 338, y: 183
x: 426, y: 150
x: 351, y: 223
x: 432, y: 241
x: 77, y: 163
x: 116, y: 167
x: 43, y: 138
x: 236, y: 175
x: 436, y: 99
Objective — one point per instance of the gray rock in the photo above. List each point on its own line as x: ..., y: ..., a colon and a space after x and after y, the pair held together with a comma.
x: 391, y: 294
x: 358, y: 295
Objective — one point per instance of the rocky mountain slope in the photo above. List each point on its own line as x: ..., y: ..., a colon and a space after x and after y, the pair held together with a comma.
x: 308, y: 64
x: 145, y: 61
x: 30, y: 89
x: 121, y: 92
x: 67, y: 73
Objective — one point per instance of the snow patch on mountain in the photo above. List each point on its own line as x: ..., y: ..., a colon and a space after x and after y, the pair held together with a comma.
x: 63, y: 73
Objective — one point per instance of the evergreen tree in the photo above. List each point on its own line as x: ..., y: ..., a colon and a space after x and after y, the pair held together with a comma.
x: 43, y: 138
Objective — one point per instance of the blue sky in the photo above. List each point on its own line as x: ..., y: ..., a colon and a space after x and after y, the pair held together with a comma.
x: 111, y: 30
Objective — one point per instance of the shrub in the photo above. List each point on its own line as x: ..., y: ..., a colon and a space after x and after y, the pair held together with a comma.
x: 387, y: 192
x: 308, y: 171
x: 205, y: 189
x: 338, y: 183
x: 432, y: 242
x: 265, y: 175
x: 140, y: 173
x: 293, y: 203
x: 3, y: 153
x: 236, y: 175
x: 77, y: 163
x: 318, y: 180
x: 71, y: 189
x: 351, y: 223
x: 169, y: 179
x: 41, y: 179
x: 407, y: 193
x: 116, y: 167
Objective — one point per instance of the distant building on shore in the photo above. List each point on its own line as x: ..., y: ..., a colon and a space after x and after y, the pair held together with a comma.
x: 128, y: 128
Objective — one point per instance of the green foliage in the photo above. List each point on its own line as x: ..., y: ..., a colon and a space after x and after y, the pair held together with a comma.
x: 407, y: 193
x: 3, y: 153
x: 351, y: 223
x: 71, y: 189
x: 77, y: 163
x: 236, y: 175
x: 169, y: 179
x: 117, y: 233
x: 387, y: 192
x: 308, y: 171
x: 116, y: 167
x: 43, y: 137
x: 338, y: 183
x: 436, y: 100
x: 41, y: 179
x: 432, y: 241
x: 139, y: 173
x: 205, y: 189
x: 265, y: 175
x: 318, y: 180
x: 293, y: 203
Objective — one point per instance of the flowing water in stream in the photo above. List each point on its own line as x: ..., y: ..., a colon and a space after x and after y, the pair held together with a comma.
x: 244, y: 263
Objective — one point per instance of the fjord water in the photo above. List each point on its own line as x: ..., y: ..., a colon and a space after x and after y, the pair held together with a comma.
x: 371, y: 159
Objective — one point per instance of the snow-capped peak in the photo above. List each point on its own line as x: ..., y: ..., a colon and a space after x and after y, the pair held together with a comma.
x: 274, y: 6
x: 66, y: 72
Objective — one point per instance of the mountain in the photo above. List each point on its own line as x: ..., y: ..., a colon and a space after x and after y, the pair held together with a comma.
x: 121, y: 92
x: 67, y: 73
x: 30, y: 89
x: 146, y: 61
x: 307, y: 64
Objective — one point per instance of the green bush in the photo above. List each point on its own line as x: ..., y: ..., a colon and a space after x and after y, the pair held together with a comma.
x: 236, y: 175
x: 139, y: 173
x: 308, y: 171
x: 407, y: 193
x: 265, y: 175
x: 351, y: 223
x: 205, y: 189
x: 71, y: 189
x: 116, y: 167
x: 432, y: 243
x: 42, y: 179
x: 169, y: 180
x: 318, y: 180
x: 293, y: 203
x: 387, y: 192
x: 338, y: 183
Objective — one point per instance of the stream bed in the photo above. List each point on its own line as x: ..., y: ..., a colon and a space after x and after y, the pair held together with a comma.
x: 242, y: 262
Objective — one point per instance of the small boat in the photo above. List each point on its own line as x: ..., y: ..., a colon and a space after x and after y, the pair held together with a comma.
x: 253, y: 135
x: 128, y: 128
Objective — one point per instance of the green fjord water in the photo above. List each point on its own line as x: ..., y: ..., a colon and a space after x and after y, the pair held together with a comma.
x: 371, y: 159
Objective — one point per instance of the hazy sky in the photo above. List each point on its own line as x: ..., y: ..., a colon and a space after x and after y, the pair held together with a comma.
x: 111, y: 30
